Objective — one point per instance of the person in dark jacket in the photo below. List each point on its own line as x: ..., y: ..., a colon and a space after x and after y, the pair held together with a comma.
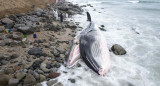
x: 61, y: 17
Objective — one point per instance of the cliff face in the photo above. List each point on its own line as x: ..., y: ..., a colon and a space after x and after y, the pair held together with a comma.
x: 8, y: 7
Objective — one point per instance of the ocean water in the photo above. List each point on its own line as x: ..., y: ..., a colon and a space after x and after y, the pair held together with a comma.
x: 133, y: 24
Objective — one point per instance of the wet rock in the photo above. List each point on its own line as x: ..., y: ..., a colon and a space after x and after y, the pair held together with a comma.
x: 29, y: 80
x: 72, y: 80
x: 51, y: 83
x: 14, y: 56
x: 4, y: 79
x: 59, y: 84
x: 20, y: 75
x: 36, y: 64
x: 71, y: 25
x: 53, y: 75
x: 39, y: 84
x: 25, y: 30
x: 42, y: 78
x: 35, y: 51
x: 17, y: 36
x: 13, y: 82
x: 118, y: 50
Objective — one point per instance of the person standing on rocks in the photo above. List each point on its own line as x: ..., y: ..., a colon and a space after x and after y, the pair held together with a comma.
x: 61, y: 17
x: 55, y: 14
x: 66, y: 16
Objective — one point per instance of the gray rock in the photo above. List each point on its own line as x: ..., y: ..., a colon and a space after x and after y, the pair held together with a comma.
x: 2, y: 43
x: 8, y: 71
x: 118, y: 50
x: 1, y: 36
x: 7, y: 56
x: 36, y: 75
x: 71, y: 25
x: 59, y: 84
x: 50, y: 83
x: 35, y: 51
x: 13, y: 82
x: 39, y: 84
x: 8, y: 22
x: 17, y: 36
x: 20, y: 75
x: 38, y: 10
x: 4, y: 62
x: 25, y: 30
x: 2, y: 29
x: 29, y: 80
x: 42, y: 78
x: 19, y: 25
x: 40, y: 71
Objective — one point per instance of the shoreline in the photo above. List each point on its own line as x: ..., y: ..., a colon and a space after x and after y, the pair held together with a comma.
x: 34, y: 60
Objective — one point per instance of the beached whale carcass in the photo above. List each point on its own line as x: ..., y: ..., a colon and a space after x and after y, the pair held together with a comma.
x: 93, y: 49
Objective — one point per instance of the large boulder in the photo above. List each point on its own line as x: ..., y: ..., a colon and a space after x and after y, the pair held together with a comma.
x: 4, y: 79
x: 35, y: 51
x: 8, y: 22
x: 13, y: 82
x: 25, y: 30
x: 29, y: 80
x: 20, y: 75
x: 118, y: 50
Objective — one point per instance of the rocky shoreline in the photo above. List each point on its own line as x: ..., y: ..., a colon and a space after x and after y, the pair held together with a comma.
x: 25, y: 60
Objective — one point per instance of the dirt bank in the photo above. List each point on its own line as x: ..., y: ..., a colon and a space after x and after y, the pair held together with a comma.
x: 8, y: 7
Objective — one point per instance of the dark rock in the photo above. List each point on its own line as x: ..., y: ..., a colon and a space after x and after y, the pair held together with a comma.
x: 63, y: 8
x: 4, y: 79
x: 29, y: 80
x: 72, y: 80
x: 14, y: 56
x: 36, y: 64
x: 102, y: 28
x: 51, y: 83
x: 57, y: 65
x: 13, y: 82
x: 35, y: 51
x: 53, y: 75
x: 118, y: 50
x: 48, y: 66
